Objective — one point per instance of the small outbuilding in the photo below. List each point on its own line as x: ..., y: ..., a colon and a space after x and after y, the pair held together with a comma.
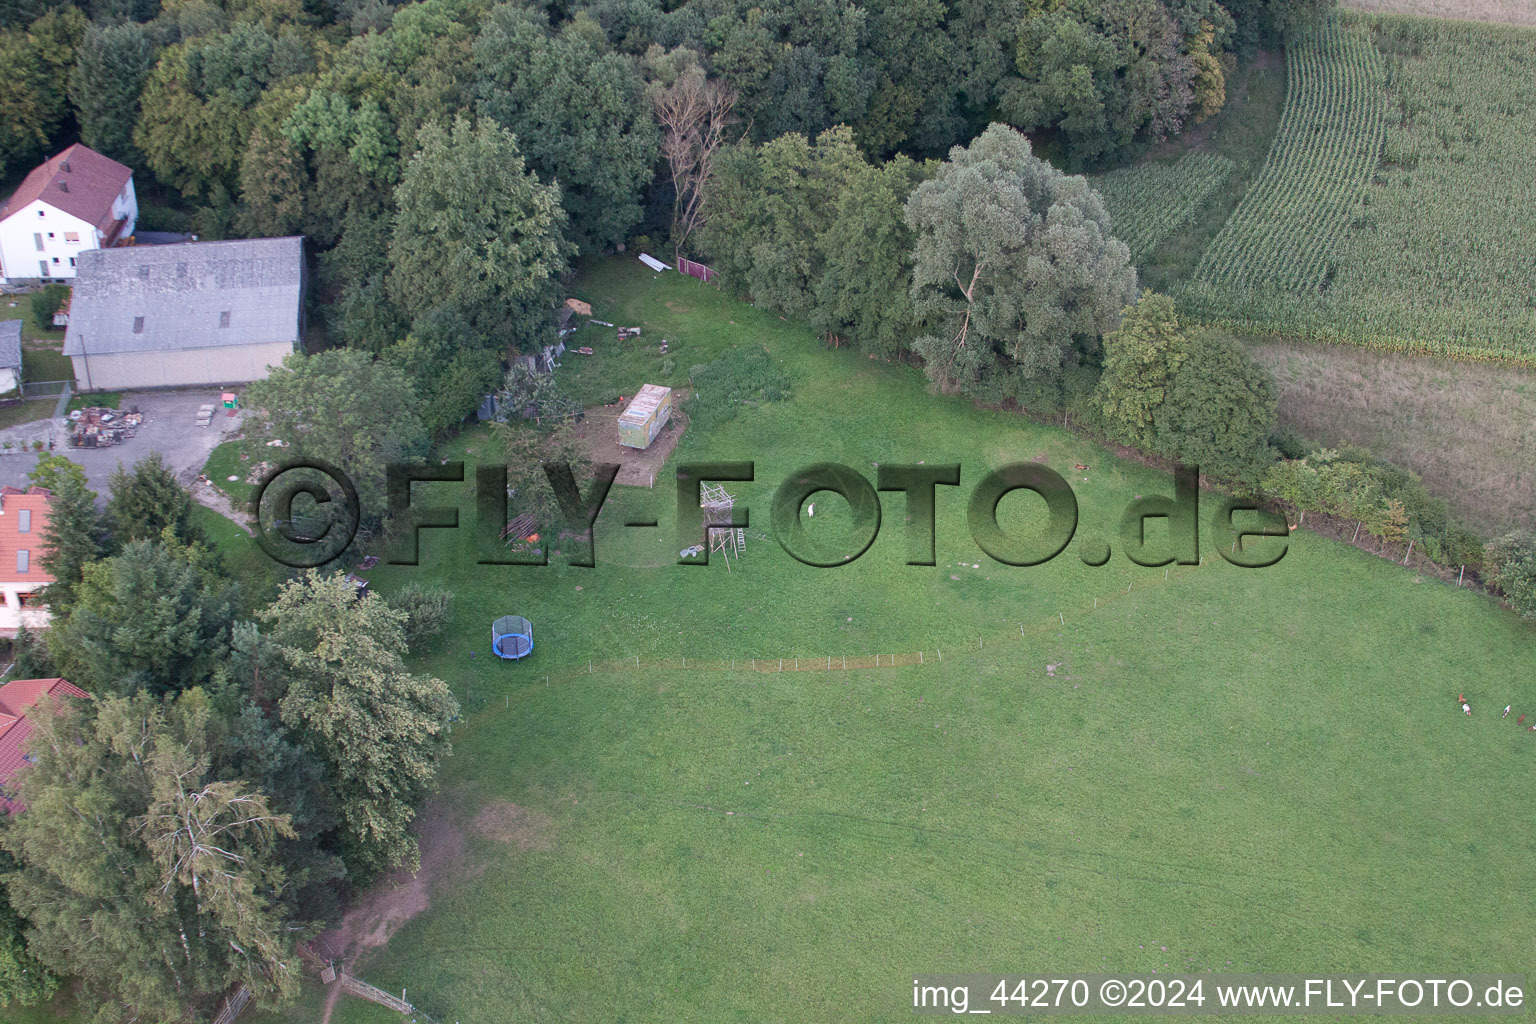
x: 10, y: 355
x: 646, y: 415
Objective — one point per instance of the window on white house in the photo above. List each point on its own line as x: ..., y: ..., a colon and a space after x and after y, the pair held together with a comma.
x: 138, y: 325
x: 72, y: 237
x: 71, y: 261
x: 55, y: 261
x: 23, y: 560
x: 42, y: 268
x: 37, y: 239
x: 39, y: 213
x: 24, y: 521
x: 50, y: 234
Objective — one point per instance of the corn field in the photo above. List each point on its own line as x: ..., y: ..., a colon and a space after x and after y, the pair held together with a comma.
x: 1150, y: 202
x: 1397, y: 207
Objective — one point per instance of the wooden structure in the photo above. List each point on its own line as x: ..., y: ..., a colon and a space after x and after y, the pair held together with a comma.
x: 374, y: 994
x: 698, y: 270
x: 645, y: 416
x: 234, y: 1005
x: 718, y: 505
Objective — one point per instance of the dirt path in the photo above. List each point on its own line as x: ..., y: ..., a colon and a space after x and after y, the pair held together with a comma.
x: 209, y: 496
x: 1508, y: 12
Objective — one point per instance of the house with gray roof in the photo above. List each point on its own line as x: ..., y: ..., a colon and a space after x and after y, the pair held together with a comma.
x: 196, y: 313
x: 10, y: 355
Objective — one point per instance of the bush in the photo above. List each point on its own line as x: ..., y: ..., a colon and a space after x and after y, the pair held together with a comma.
x: 426, y: 613
x: 47, y: 302
x: 1510, y: 565
x: 740, y: 377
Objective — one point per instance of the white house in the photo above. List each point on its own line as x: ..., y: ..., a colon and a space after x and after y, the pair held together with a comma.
x: 23, y: 523
x: 77, y: 201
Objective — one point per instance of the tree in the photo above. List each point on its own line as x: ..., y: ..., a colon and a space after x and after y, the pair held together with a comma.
x: 527, y: 449
x: 772, y: 204
x: 1141, y: 357
x: 426, y: 612
x: 694, y: 112
x: 535, y: 395
x: 74, y: 536
x: 33, y: 106
x: 914, y: 102
x: 47, y: 301
x: 141, y: 874
x: 1295, y: 482
x: 146, y: 501
x: 344, y: 407
x: 31, y: 653
x: 1015, y: 266
x: 198, y: 104
x: 381, y: 732
x: 155, y: 617
x: 1509, y: 564
x: 452, y: 366
x: 469, y: 183
x: 1105, y: 72
x: 1219, y: 410
x: 1265, y: 22
x: 110, y: 70
x: 579, y: 113
x: 799, y: 65
x: 274, y: 179
x: 24, y: 980
x: 864, y: 291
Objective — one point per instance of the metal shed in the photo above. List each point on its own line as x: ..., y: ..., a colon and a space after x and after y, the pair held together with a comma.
x: 646, y: 415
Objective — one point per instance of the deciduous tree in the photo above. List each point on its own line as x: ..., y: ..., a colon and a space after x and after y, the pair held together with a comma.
x: 381, y: 731
x: 1015, y: 266
x: 501, y: 271
x: 579, y: 113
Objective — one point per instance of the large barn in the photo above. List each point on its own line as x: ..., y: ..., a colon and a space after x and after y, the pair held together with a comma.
x: 190, y: 314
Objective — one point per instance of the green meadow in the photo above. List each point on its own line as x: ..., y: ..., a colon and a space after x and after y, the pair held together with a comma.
x: 1055, y: 768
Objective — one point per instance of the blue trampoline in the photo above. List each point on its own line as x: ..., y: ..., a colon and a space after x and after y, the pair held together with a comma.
x: 512, y: 637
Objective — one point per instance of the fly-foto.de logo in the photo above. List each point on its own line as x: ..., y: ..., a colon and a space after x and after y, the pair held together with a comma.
x: 308, y: 513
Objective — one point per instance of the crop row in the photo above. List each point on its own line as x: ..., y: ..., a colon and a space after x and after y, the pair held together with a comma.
x: 1150, y: 202
x: 1398, y: 204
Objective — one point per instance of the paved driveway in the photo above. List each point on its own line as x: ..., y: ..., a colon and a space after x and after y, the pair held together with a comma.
x: 169, y: 427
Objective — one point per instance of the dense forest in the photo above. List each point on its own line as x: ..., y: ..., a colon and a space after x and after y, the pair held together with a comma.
x: 534, y: 134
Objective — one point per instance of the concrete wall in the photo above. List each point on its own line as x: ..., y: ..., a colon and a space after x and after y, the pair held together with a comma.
x: 232, y: 364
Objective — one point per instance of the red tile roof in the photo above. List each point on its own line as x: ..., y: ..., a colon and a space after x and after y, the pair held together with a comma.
x: 86, y: 190
x: 16, y: 699
x: 13, y: 500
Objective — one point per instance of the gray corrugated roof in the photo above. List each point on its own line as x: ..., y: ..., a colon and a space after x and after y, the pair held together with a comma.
x: 182, y: 292
x: 10, y: 343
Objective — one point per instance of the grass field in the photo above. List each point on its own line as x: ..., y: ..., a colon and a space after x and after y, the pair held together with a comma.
x: 1468, y: 428
x: 1512, y: 12
x: 1396, y: 205
x: 1110, y: 768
